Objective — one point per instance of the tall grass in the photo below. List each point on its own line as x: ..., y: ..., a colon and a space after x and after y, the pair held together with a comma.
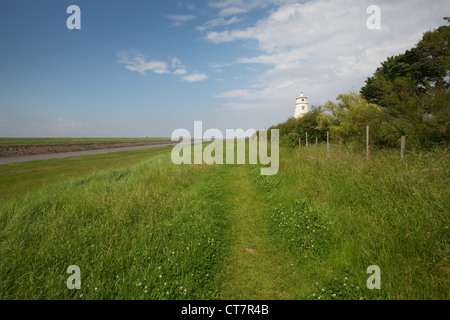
x: 152, y: 231
x: 160, y: 231
x: 378, y: 212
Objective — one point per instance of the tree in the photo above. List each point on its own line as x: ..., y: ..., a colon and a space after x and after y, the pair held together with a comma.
x: 348, y: 118
x: 294, y: 129
x: 413, y: 89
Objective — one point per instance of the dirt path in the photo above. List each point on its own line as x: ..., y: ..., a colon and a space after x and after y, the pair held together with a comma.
x: 255, y: 269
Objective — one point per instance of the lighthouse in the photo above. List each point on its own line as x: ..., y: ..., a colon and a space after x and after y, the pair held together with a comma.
x: 301, y: 106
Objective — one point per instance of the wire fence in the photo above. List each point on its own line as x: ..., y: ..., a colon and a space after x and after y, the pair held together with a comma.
x: 307, y: 141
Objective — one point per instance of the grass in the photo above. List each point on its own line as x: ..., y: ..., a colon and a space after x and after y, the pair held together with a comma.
x: 132, y: 236
x: 143, y: 228
x: 255, y: 268
x: 19, y: 141
x: 20, y: 178
x: 359, y: 213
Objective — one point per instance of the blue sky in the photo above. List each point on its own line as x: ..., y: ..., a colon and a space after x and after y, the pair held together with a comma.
x: 145, y: 68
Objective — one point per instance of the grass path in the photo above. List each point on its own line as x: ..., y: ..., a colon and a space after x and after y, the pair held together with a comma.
x: 255, y: 268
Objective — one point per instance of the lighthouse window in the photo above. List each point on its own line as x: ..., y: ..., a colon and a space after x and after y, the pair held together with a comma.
x: 303, y: 100
x: 303, y: 107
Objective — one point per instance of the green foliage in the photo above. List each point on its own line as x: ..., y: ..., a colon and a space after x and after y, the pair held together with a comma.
x: 348, y: 118
x: 407, y: 96
x: 159, y: 231
x: 152, y: 231
x: 344, y: 287
x: 294, y: 129
x: 300, y: 229
x: 413, y: 90
x: 382, y: 212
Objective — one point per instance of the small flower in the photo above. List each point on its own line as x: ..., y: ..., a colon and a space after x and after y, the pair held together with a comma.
x: 139, y: 284
x: 334, y: 295
x: 361, y: 298
x: 345, y: 278
x: 160, y: 276
x: 81, y: 295
x: 145, y: 291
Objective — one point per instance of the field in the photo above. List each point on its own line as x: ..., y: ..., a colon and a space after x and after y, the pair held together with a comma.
x: 140, y: 227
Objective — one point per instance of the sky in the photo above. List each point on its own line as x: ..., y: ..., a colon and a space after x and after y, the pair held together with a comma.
x: 145, y: 68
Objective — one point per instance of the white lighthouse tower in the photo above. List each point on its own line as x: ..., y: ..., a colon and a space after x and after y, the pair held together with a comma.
x: 301, y: 106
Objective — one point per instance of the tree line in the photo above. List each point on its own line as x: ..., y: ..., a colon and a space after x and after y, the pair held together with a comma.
x: 408, y: 95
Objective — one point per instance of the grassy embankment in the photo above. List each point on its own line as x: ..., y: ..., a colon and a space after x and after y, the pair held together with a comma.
x: 19, y: 178
x: 153, y: 230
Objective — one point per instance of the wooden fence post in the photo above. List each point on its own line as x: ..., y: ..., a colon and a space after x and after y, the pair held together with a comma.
x: 402, y: 149
x: 317, y: 142
x: 299, y: 143
x: 367, y: 144
x: 306, y: 144
x: 328, y: 142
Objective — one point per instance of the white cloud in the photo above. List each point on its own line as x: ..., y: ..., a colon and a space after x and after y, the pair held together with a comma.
x: 216, y: 22
x: 234, y: 7
x: 140, y: 64
x: 180, y: 20
x: 195, y: 77
x: 247, y: 106
x: 323, y: 47
x: 62, y: 124
x: 238, y: 93
x: 219, y: 67
x: 180, y: 69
